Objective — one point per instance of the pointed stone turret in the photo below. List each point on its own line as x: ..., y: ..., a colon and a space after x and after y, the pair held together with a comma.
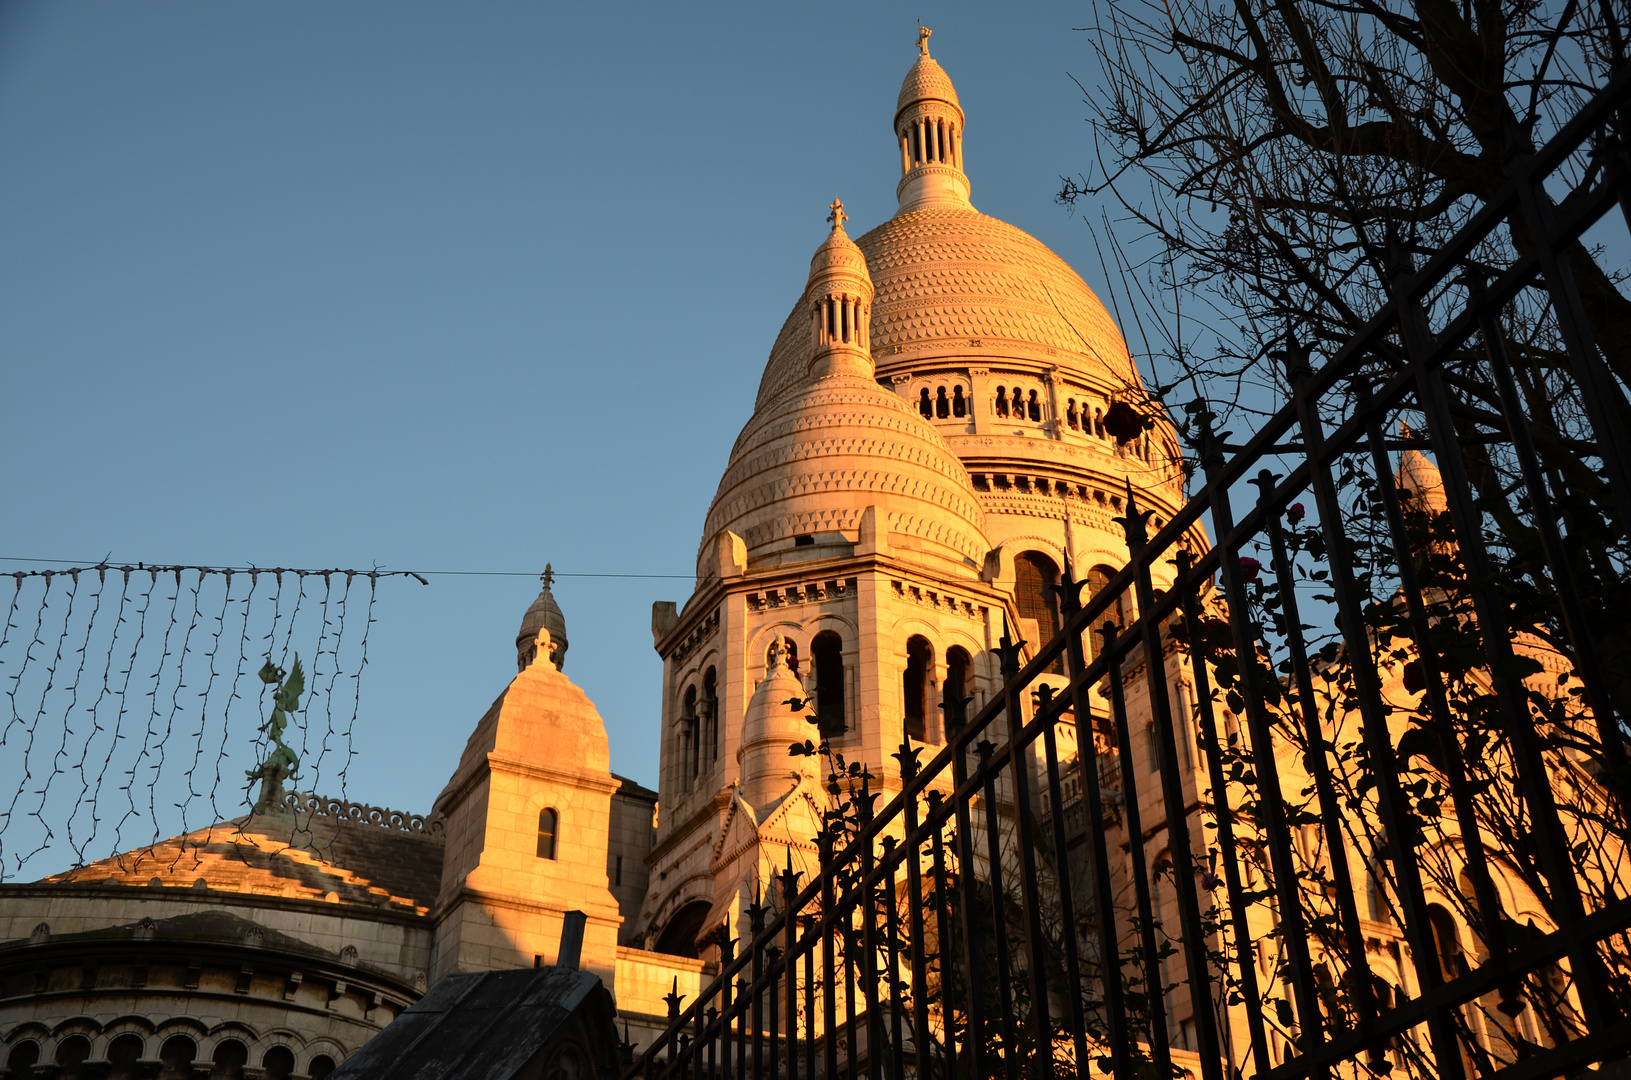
x: 929, y: 126
x: 769, y: 728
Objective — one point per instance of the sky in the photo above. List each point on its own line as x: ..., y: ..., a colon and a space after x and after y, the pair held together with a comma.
x: 444, y: 287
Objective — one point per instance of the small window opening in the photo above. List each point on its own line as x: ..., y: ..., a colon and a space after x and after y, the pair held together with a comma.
x: 1035, y: 407
x: 827, y: 654
x: 1033, y: 573
x: 548, y: 823
x: 278, y: 1064
x: 942, y: 405
x: 1002, y: 402
x: 1070, y: 414
x: 710, y: 712
x: 957, y: 683
x: 959, y: 405
x: 1098, y: 422
x: 916, y: 684
x: 806, y: 540
x: 925, y: 406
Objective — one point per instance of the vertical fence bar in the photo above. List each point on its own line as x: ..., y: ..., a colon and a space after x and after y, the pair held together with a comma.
x: 974, y: 1039
x: 773, y: 954
x: 1364, y: 990
x: 1599, y: 390
x: 756, y: 925
x: 943, y: 937
x: 914, y: 909
x: 999, y: 911
x: 1224, y: 814
x: 727, y: 1017
x: 1172, y: 795
x: 810, y: 1001
x: 1394, y: 811
x: 1067, y: 909
x: 869, y: 931
x: 1036, y: 951
x: 790, y: 894
x: 1155, y: 992
x: 1271, y: 798
x: 891, y: 923
x: 829, y: 981
x: 1104, y: 913
x: 1534, y: 780
x: 1587, y: 664
x: 1488, y: 904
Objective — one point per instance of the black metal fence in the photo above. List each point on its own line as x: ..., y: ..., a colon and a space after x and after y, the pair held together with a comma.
x: 1355, y: 806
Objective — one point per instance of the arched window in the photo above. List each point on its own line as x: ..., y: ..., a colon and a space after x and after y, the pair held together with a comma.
x: 690, y: 738
x: 278, y: 1063
x: 709, y: 707
x: 1097, y: 579
x: 1033, y: 572
x: 1446, y: 941
x: 549, y: 824
x: 827, y: 657
x: 320, y: 1067
x: 942, y: 404
x: 1098, y: 422
x: 924, y: 405
x: 71, y: 1054
x: 1034, y: 408
x: 1002, y: 402
x: 916, y: 683
x: 1070, y: 414
x: 959, y: 683
x: 679, y: 937
x: 176, y: 1058
x: 23, y: 1057
x: 123, y: 1054
x: 959, y: 404
x: 229, y: 1060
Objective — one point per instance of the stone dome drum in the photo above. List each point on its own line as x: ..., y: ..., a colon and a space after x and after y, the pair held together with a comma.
x: 814, y: 459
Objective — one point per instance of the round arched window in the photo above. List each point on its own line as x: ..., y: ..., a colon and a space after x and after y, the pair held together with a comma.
x: 548, y: 824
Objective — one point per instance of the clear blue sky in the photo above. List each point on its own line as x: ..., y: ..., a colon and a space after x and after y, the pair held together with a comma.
x: 465, y: 286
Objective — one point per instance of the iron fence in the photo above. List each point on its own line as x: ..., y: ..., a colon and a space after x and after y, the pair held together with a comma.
x: 1228, y: 841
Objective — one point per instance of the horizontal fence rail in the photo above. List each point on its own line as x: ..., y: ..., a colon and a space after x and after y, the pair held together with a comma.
x: 1354, y: 803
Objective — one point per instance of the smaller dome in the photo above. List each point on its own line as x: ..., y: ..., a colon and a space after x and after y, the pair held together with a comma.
x: 1421, y: 479
x: 544, y: 614
x: 837, y: 254
x: 926, y: 81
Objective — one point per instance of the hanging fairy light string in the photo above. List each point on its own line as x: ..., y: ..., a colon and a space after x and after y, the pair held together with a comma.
x: 126, y: 706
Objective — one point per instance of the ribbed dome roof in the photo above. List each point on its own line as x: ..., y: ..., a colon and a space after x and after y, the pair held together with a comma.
x: 946, y: 277
x: 543, y: 614
x: 813, y: 459
x: 926, y: 81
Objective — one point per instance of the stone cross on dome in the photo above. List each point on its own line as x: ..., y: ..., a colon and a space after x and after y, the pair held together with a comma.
x: 548, y: 576
x: 837, y: 216
x: 923, y: 35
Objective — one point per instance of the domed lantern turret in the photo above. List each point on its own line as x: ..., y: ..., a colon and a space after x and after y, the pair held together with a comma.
x: 544, y: 614
x: 838, y: 297
x: 929, y: 126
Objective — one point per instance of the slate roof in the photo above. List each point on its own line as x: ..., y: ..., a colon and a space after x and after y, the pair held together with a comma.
x: 494, y: 1025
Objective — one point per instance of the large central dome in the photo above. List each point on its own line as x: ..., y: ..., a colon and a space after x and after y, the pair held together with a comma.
x: 952, y: 281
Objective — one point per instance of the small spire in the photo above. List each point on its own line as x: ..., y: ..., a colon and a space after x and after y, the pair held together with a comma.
x: 548, y: 576
x: 837, y: 215
x: 923, y: 35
